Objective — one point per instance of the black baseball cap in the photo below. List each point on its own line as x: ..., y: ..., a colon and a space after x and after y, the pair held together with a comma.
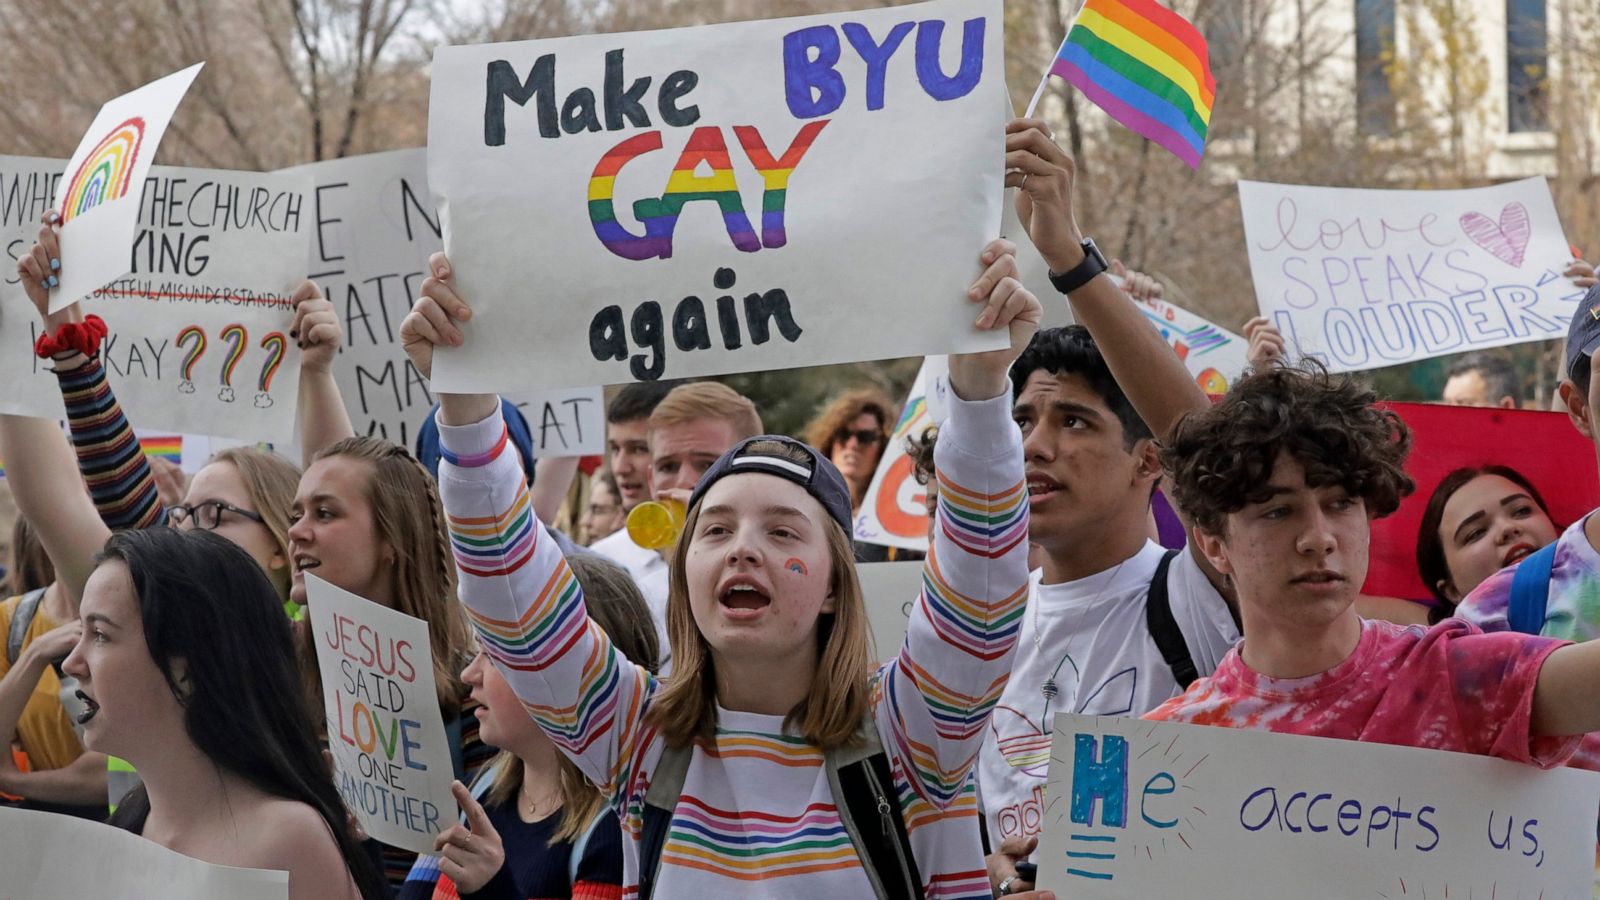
x: 819, y: 477
x: 1583, y: 335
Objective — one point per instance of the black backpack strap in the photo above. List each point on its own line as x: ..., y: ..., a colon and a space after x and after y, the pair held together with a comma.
x: 886, y: 847
x: 1164, y: 629
x: 21, y: 618
x: 666, y: 786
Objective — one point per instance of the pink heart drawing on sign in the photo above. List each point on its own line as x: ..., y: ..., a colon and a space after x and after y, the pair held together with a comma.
x: 1507, y: 239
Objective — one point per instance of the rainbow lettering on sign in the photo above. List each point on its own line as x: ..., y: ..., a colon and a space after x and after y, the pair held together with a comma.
x: 775, y: 175
x: 274, y: 344
x: 104, y: 174
x: 235, y: 336
x: 198, y: 349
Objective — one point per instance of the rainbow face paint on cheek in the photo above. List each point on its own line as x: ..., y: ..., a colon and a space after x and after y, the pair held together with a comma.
x: 796, y: 566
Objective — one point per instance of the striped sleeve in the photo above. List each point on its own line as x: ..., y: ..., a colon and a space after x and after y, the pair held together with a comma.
x: 528, y: 609
x: 935, y: 697
x: 109, y: 456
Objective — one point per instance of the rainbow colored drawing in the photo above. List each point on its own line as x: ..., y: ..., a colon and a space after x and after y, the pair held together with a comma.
x: 194, y: 353
x: 775, y: 175
x: 274, y: 344
x: 660, y: 215
x: 104, y: 174
x: 167, y: 446
x: 236, y: 337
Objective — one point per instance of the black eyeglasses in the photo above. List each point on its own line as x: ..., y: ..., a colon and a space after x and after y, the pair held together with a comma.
x: 866, y: 437
x: 207, y: 515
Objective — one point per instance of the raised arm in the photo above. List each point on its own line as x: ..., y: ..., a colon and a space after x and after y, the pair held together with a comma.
x: 520, y: 596
x: 109, y: 456
x: 323, y: 418
x: 935, y: 697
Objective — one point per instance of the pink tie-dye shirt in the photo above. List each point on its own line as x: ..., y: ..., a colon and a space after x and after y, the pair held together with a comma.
x: 1449, y: 687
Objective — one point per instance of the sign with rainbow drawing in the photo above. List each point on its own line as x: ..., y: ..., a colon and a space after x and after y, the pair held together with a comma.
x: 728, y: 198
x: 1136, y: 809
x: 375, y: 227
x: 391, y: 754
x: 1215, y: 356
x: 894, y: 510
x: 102, y: 183
x: 198, y: 338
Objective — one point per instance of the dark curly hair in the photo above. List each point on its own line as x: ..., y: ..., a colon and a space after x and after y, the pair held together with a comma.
x: 1221, y: 459
x: 1070, y: 350
x: 920, y: 449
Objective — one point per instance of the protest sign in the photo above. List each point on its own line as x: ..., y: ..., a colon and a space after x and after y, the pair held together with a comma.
x: 100, y: 187
x: 749, y: 196
x: 1216, y: 357
x: 1137, y: 809
x: 1368, y: 278
x: 1543, y: 446
x: 889, y: 589
x: 391, y: 756
x: 46, y: 856
x: 894, y: 511
x: 373, y: 229
x: 198, y: 338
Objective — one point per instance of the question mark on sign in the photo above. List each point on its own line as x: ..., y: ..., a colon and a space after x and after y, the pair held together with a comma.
x: 196, y: 339
x: 274, y: 344
x: 236, y: 337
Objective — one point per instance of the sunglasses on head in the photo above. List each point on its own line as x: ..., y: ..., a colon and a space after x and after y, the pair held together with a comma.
x: 865, y: 437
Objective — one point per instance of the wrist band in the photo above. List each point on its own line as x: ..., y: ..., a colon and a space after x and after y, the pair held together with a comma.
x: 81, y: 337
x: 477, y: 459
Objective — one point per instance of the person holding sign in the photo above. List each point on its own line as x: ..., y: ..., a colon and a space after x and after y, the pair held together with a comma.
x: 772, y: 714
x: 543, y: 829
x: 187, y: 670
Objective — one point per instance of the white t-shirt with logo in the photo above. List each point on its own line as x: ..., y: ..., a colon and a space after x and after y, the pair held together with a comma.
x: 1094, y: 643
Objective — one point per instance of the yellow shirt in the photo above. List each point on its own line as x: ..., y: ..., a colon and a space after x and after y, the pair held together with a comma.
x: 44, y: 730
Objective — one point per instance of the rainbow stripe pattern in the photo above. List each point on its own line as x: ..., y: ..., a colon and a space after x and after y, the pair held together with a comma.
x: 1147, y: 67
x: 167, y: 446
x: 197, y: 349
x: 756, y: 805
x: 775, y: 175
x: 236, y: 338
x: 104, y: 174
x: 274, y: 344
x: 109, y: 455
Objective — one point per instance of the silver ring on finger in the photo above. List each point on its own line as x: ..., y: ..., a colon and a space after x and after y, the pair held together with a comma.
x: 1005, y: 884
x: 1023, y: 185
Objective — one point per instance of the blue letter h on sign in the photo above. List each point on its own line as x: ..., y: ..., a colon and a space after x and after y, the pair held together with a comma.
x: 1105, y: 780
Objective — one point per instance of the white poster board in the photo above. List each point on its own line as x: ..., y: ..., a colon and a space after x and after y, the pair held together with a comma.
x: 373, y: 229
x: 102, y: 183
x: 198, y: 338
x: 1137, y: 809
x: 894, y: 511
x: 728, y: 198
x: 1369, y: 278
x: 45, y: 856
x: 391, y: 756
x: 890, y: 589
x: 1216, y: 357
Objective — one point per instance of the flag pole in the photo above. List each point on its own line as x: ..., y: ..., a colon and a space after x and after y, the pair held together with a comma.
x: 1038, y: 92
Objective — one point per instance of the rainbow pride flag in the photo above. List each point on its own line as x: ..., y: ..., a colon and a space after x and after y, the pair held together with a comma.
x: 1147, y: 67
x: 166, y: 446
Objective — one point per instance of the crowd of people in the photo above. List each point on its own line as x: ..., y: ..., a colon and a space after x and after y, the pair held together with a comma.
x: 706, y: 718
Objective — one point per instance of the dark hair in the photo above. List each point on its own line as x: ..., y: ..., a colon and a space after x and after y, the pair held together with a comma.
x: 1431, y: 563
x: 204, y: 600
x: 1581, y: 369
x: 1220, y: 459
x: 638, y: 400
x: 1070, y: 350
x: 1497, y: 370
x: 920, y: 449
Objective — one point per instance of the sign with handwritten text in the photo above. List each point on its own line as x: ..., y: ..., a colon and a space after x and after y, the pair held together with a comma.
x: 1363, y: 279
x: 894, y: 511
x: 373, y: 229
x: 199, y: 327
x: 1216, y: 357
x: 391, y: 757
x: 45, y: 856
x: 1138, y: 809
x: 729, y: 198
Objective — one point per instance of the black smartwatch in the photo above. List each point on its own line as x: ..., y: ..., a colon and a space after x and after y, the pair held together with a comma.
x: 1081, y: 274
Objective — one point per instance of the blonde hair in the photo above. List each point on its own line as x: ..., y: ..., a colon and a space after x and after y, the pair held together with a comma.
x: 614, y: 603
x: 271, y: 482
x: 708, y: 400
x: 408, y: 517
x: 832, y: 710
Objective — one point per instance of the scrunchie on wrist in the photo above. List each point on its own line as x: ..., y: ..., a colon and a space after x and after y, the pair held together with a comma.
x: 82, y: 337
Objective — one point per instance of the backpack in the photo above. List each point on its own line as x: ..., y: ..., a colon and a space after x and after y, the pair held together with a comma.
x: 1530, y: 591
x: 862, y: 782
x: 21, y: 619
x: 1163, y: 627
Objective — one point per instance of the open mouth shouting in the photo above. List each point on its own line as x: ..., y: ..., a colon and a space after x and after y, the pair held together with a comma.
x: 743, y: 597
x: 89, y: 707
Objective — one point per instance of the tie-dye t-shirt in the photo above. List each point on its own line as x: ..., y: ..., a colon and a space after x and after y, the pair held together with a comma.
x: 1449, y: 687
x: 1573, y: 610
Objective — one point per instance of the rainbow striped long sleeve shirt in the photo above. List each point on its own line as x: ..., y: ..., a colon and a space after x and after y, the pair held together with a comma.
x: 756, y: 815
x: 109, y: 456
